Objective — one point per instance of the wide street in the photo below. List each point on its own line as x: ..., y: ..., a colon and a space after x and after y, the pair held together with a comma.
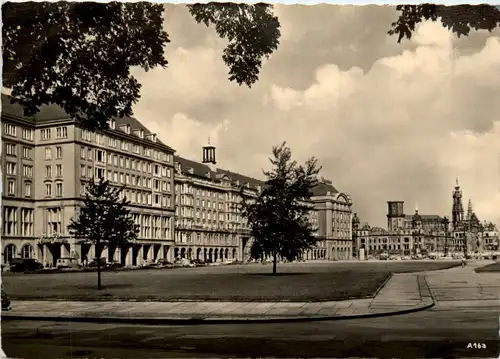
x: 432, y: 333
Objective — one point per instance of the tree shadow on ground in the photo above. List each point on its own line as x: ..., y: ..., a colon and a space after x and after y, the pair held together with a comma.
x: 275, y: 275
x: 106, y: 286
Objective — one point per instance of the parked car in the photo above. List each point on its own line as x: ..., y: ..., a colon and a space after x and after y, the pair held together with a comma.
x: 114, y: 265
x: 24, y: 264
x: 148, y: 263
x: 197, y: 262
x: 163, y: 262
x: 67, y: 262
x: 93, y: 263
x: 5, y: 300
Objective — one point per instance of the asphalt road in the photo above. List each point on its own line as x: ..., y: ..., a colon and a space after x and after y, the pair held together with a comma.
x: 428, y: 334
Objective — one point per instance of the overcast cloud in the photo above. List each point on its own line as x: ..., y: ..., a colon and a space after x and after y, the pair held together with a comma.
x: 387, y: 121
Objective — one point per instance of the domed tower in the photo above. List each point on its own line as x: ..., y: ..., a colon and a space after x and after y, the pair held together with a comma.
x: 457, y: 216
x: 209, y: 156
x: 416, y: 219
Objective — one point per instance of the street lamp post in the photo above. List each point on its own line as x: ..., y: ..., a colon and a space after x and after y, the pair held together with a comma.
x: 446, y: 222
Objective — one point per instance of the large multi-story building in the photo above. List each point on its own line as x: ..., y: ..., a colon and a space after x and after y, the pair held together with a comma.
x: 47, y: 161
x: 334, y: 212
x: 183, y: 208
x: 209, y: 225
x: 208, y: 222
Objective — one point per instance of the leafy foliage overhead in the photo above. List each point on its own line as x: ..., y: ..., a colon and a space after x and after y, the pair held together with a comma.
x: 253, y: 33
x: 280, y: 216
x: 460, y: 19
x: 78, y: 55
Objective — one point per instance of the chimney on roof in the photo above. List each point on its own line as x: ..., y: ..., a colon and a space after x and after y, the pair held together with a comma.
x: 209, y: 156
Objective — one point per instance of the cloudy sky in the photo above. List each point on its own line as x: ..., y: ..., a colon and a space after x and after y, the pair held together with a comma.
x: 387, y: 121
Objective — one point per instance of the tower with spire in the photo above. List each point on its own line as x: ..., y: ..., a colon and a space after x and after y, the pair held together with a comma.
x: 469, y: 211
x: 458, y: 209
x: 209, y: 156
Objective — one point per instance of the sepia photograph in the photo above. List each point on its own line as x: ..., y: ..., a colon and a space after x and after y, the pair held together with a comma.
x: 249, y: 180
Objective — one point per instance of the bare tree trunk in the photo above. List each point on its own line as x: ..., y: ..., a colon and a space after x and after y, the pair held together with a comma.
x: 274, y: 263
x: 98, y: 255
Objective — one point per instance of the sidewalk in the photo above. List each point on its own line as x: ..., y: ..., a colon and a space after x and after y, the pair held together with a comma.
x: 403, y: 293
x: 462, y: 288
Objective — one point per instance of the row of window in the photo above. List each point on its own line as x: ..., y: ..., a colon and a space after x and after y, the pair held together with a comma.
x: 210, y: 215
x: 28, y: 186
x: 11, y: 130
x: 156, y: 227
x: 124, y: 162
x: 49, y: 150
x: 46, y: 133
x: 11, y: 188
x: 13, y: 227
x: 123, y: 145
x: 206, y: 238
x: 125, y: 178
x: 48, y: 171
x: 385, y: 240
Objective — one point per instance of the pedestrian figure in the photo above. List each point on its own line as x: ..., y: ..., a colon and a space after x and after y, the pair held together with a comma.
x: 464, y: 262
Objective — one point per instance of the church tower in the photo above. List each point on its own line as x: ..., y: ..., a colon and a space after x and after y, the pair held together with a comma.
x: 209, y: 156
x: 469, y: 211
x: 457, y: 210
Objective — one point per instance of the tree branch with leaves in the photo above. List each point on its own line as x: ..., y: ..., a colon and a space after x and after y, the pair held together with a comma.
x: 79, y: 55
x: 460, y: 19
x: 104, y: 220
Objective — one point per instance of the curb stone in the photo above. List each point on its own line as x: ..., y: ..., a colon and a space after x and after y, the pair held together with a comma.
x: 208, y: 320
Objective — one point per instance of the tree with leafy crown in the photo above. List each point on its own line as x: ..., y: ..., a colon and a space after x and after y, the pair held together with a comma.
x: 279, y: 216
x: 104, y: 220
x: 78, y: 55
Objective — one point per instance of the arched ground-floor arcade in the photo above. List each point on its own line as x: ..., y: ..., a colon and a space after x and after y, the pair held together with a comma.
x: 48, y: 253
x: 207, y: 254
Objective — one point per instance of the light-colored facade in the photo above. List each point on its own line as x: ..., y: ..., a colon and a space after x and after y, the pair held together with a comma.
x: 208, y: 222
x: 47, y: 161
x: 334, y: 212
x: 184, y: 209
x: 210, y: 227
